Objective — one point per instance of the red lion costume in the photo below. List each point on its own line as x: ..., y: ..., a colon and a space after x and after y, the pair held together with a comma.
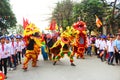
x: 80, y: 40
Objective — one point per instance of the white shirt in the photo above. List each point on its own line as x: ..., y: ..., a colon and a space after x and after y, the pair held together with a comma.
x: 9, y: 47
x: 102, y: 45
x: 18, y: 46
x: 110, y: 46
x: 97, y: 42
x: 88, y: 42
x: 3, y: 52
x: 12, y: 48
x: 22, y: 44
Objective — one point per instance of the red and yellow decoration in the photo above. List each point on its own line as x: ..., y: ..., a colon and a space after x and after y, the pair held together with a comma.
x: 79, y: 44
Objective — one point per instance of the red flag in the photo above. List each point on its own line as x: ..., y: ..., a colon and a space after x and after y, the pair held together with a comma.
x: 25, y: 23
x: 98, y: 22
x: 53, y: 25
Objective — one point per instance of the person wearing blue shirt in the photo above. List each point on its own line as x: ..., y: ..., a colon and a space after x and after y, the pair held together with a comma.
x: 117, y: 48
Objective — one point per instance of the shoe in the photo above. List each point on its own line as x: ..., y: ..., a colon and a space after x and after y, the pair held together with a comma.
x: 112, y: 64
x: 35, y: 66
x: 102, y: 60
x: 10, y: 69
x: 78, y: 57
x: 108, y: 63
x: 72, y: 64
x: 54, y: 63
x: 83, y: 58
x: 5, y: 77
x: 14, y: 68
x: 25, y: 69
x: 20, y: 62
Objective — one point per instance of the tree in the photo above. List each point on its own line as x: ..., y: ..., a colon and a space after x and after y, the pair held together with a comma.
x: 7, y: 17
x: 87, y: 10
x: 112, y: 18
x: 63, y: 13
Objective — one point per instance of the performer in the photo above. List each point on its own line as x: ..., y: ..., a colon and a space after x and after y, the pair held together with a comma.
x: 64, y: 43
x: 31, y: 36
x: 80, y: 40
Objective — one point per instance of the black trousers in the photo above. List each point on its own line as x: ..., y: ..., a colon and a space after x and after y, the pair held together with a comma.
x: 117, y: 57
x: 96, y: 50
x: 9, y: 62
x: 14, y: 60
x: 3, y: 62
x: 23, y: 52
x: 18, y: 57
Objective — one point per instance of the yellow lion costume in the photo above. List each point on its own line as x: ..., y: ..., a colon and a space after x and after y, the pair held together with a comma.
x: 62, y: 46
x: 33, y: 44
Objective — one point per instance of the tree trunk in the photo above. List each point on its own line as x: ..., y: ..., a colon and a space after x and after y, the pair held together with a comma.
x: 112, y: 18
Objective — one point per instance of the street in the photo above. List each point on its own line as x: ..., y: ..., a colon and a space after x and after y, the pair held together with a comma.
x: 90, y: 68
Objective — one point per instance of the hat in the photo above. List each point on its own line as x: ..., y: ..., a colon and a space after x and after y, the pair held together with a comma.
x: 1, y: 37
x: 12, y: 36
x: 18, y: 36
x: 111, y: 36
x: 103, y: 36
x: 7, y: 38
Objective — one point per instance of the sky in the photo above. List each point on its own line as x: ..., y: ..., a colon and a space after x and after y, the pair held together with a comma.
x: 36, y: 11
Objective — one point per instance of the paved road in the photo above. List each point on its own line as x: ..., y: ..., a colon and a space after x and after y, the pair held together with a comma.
x: 90, y: 68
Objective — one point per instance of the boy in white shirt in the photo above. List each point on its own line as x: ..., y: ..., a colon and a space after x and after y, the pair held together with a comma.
x: 102, y: 47
x: 4, y: 55
x: 110, y: 50
x: 18, y: 49
x: 7, y: 40
x: 13, y: 51
x: 23, y: 47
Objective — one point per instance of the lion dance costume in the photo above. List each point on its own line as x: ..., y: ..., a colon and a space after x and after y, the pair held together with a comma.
x: 33, y: 44
x: 62, y: 46
x: 80, y: 40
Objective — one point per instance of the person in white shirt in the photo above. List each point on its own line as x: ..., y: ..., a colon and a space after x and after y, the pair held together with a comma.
x: 18, y: 49
x: 117, y: 48
x: 13, y: 51
x: 23, y: 47
x: 102, y: 47
x: 4, y: 55
x: 110, y: 50
x: 97, y: 45
x: 7, y: 41
x: 89, y: 46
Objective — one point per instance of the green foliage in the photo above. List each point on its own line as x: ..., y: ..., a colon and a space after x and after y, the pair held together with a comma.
x: 63, y: 13
x: 87, y: 10
x: 67, y: 12
x: 7, y: 17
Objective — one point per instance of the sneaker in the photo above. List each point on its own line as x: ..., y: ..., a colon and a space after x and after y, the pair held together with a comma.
x: 20, y: 62
x: 72, y: 64
x: 54, y: 63
x: 112, y: 64
x: 10, y: 69
x: 14, y: 68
